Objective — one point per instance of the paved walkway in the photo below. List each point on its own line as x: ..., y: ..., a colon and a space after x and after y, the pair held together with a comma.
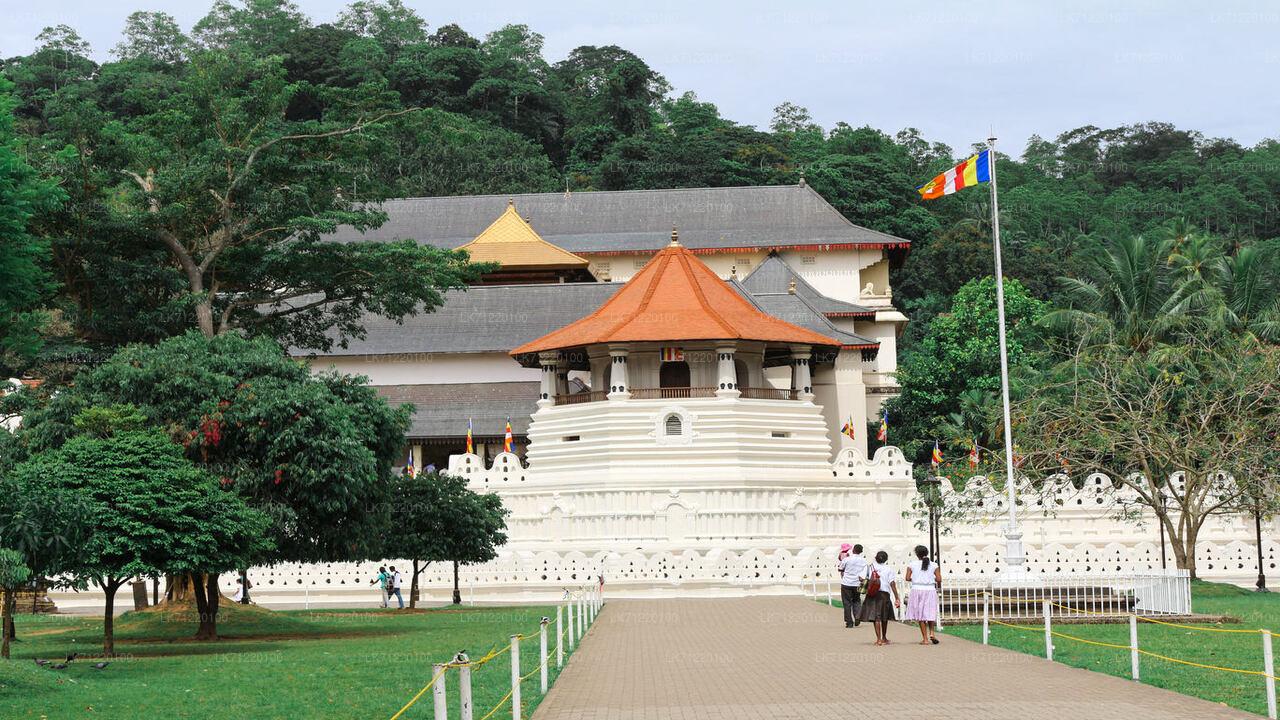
x: 740, y: 659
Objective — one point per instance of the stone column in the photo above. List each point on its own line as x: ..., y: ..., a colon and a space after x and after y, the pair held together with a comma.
x: 801, y: 381
x: 728, y: 374
x: 618, y: 383
x: 550, y: 363
x: 562, y: 381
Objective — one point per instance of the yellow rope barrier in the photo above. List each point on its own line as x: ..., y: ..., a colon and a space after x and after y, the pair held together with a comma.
x: 1142, y: 618
x: 1140, y: 650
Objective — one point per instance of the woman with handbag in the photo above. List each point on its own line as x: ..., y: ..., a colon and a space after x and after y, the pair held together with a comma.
x: 878, y: 608
x: 922, y: 601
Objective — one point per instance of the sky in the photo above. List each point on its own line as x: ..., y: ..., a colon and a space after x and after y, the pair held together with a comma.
x: 957, y: 70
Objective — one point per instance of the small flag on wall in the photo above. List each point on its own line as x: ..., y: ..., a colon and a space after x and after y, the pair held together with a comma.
x: 409, y: 467
x: 884, y: 428
x: 672, y: 354
x: 848, y: 428
x: 506, y: 442
x: 469, y: 450
x: 937, y: 455
x: 974, y: 457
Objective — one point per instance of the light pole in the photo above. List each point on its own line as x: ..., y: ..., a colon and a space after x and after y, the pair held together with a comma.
x: 1257, y: 530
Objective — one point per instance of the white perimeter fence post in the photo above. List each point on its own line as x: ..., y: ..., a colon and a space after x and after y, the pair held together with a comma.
x: 1133, y: 645
x: 464, y: 686
x: 559, y: 638
x: 515, y: 677
x: 569, y: 635
x: 986, y: 618
x: 1048, y: 633
x: 1269, y: 667
x: 437, y: 691
x: 542, y: 652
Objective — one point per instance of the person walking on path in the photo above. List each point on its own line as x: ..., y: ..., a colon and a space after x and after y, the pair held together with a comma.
x: 877, y: 609
x: 396, y: 580
x: 853, y: 569
x: 922, y: 599
x: 384, y: 582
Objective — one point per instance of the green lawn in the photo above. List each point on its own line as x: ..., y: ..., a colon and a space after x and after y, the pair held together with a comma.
x: 299, y: 664
x: 1243, y: 651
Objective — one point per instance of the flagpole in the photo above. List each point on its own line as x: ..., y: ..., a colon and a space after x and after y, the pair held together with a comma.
x: 1014, y: 558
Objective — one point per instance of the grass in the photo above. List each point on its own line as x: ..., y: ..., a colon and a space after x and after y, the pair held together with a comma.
x: 1232, y: 650
x: 292, y: 664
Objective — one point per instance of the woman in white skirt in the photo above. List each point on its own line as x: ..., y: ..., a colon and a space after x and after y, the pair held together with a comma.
x: 922, y: 602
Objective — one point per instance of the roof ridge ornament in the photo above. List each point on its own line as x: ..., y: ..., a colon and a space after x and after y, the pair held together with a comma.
x: 792, y: 290
x: 802, y: 182
x: 675, y: 237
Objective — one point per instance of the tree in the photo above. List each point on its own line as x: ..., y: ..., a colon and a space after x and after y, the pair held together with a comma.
x: 1185, y: 429
x: 154, y: 35
x: 312, y: 452
x: 239, y: 198
x: 153, y: 511
x: 13, y: 574
x: 24, y: 278
x: 956, y: 365
x: 435, y: 518
x: 389, y: 22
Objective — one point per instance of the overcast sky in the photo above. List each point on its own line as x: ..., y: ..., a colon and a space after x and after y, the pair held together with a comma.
x: 952, y: 69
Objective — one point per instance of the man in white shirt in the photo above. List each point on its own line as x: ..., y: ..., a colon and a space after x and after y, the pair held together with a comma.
x: 396, y: 580
x: 853, y: 570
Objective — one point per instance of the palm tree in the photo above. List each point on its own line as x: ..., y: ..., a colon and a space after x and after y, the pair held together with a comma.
x: 1132, y: 298
x: 1246, y: 300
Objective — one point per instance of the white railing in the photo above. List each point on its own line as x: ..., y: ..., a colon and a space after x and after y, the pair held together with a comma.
x: 1146, y: 593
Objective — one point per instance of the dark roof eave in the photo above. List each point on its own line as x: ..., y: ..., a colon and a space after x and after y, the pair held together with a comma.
x: 904, y: 245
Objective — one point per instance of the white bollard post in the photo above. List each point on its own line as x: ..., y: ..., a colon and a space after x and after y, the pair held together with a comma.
x: 1269, y: 667
x: 986, y: 619
x: 582, y: 617
x: 515, y: 677
x: 464, y: 686
x: 542, y: 652
x: 559, y: 638
x: 306, y: 597
x: 828, y: 592
x: 1048, y: 633
x: 1133, y: 645
x: 437, y: 692
x: 569, y: 635
x: 471, y: 593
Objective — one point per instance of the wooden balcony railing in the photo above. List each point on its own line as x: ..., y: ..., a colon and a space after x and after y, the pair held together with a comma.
x: 582, y: 397
x: 769, y: 393
x: 671, y: 392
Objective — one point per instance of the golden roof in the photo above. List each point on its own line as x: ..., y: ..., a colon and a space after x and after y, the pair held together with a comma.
x: 512, y: 242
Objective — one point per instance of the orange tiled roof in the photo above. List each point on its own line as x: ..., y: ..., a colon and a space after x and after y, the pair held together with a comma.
x: 675, y: 297
x: 511, y: 241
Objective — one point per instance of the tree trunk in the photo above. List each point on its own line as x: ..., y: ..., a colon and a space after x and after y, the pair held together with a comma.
x: 206, y: 591
x: 109, y: 617
x: 457, y: 594
x: 244, y: 583
x: 7, y: 601
x: 413, y: 587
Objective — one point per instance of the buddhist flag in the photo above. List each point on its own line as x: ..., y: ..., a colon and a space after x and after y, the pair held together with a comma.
x: 506, y: 442
x: 884, y: 428
x: 937, y: 455
x: 848, y: 428
x: 974, y: 456
x: 672, y: 354
x: 976, y: 169
x: 469, y: 435
x: 409, y: 466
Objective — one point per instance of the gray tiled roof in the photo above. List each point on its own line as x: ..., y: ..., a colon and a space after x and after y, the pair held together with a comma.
x: 774, y: 275
x: 633, y: 220
x: 443, y: 410
x: 797, y: 311
x: 485, y: 318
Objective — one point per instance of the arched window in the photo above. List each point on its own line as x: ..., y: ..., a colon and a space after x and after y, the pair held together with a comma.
x: 673, y: 425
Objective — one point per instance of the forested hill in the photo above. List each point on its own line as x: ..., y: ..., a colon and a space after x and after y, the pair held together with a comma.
x: 493, y: 115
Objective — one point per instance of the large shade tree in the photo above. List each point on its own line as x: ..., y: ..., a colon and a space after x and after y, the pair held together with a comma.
x: 313, y: 452
x: 154, y: 512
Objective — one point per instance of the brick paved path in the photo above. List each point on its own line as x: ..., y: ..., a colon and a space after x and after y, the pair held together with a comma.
x: 738, y: 659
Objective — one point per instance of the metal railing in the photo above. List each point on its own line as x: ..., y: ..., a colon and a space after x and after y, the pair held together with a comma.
x: 1120, y: 593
